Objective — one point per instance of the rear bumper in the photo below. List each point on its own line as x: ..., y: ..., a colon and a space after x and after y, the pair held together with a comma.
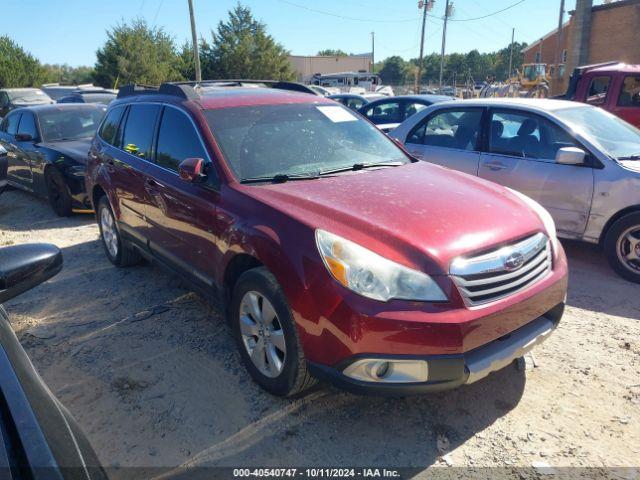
x: 449, y: 371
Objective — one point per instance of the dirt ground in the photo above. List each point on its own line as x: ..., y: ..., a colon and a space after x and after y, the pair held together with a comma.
x: 151, y: 373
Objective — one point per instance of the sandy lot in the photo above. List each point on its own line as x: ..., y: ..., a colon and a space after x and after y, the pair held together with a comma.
x: 151, y: 373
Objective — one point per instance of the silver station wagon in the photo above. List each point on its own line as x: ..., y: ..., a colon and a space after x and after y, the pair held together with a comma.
x: 580, y: 162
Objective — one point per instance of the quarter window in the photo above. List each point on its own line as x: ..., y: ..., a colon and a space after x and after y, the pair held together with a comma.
x: 456, y: 129
x: 139, y: 128
x: 597, y: 94
x: 630, y: 93
x: 527, y: 136
x: 110, y: 125
x: 177, y: 140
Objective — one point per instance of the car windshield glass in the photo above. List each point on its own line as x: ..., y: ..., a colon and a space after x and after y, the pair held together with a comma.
x: 616, y: 137
x: 267, y: 140
x: 29, y: 96
x: 70, y: 124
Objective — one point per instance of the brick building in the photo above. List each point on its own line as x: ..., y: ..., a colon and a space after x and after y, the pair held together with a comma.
x: 593, y: 34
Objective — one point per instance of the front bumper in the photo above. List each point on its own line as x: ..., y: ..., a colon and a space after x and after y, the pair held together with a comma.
x: 448, y: 371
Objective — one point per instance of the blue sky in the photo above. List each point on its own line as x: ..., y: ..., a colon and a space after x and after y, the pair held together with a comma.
x: 70, y: 31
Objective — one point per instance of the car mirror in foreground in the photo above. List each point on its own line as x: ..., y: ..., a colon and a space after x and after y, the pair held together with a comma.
x: 570, y: 156
x: 22, y: 267
x: 192, y: 170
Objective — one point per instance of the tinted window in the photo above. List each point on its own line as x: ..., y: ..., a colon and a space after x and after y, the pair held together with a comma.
x: 630, y: 93
x: 71, y: 99
x: 10, y: 123
x: 597, y: 94
x: 389, y: 112
x: 457, y: 129
x: 525, y: 135
x: 70, y: 123
x: 138, y: 131
x: 265, y: 140
x: 109, y: 127
x: 177, y: 140
x: 28, y: 125
x: 4, y: 99
x: 413, y: 108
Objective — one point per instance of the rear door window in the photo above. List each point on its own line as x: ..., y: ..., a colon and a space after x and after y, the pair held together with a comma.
x: 389, y: 112
x: 109, y: 127
x: 598, y: 89
x: 177, y: 140
x: 456, y: 128
x: 630, y: 93
x: 139, y: 129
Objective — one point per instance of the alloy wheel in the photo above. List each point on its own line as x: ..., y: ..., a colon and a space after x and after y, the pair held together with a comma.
x: 109, y: 233
x: 262, y: 334
x: 628, y: 248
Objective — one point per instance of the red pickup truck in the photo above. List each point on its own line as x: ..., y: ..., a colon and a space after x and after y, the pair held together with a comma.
x: 614, y: 87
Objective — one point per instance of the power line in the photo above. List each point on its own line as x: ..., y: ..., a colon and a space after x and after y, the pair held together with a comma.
x: 155, y: 17
x: 488, y: 15
x: 355, y: 19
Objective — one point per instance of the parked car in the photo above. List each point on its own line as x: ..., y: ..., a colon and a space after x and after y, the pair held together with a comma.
x: 338, y: 255
x: 40, y: 438
x: 353, y: 101
x: 57, y: 91
x: 580, y: 162
x: 320, y: 91
x: 615, y: 87
x: 11, y: 98
x: 388, y: 113
x: 47, y: 148
x: 89, y: 96
x: 4, y: 162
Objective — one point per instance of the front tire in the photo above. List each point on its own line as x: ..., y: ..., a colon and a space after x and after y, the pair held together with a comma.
x: 622, y: 247
x: 266, y: 334
x: 118, y: 251
x: 58, y: 192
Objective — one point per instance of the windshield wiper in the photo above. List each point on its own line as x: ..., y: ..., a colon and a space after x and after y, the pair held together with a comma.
x: 281, y: 178
x: 630, y: 157
x: 360, y: 166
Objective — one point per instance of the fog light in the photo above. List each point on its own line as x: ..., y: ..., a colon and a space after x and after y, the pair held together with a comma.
x: 388, y: 370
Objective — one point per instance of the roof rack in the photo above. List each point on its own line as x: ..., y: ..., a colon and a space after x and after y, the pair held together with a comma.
x: 190, y: 90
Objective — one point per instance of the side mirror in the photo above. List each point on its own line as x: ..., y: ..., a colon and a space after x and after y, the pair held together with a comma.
x: 192, y: 170
x: 23, y: 137
x: 570, y: 156
x: 22, y: 267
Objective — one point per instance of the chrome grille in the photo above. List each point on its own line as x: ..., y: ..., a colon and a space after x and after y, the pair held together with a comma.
x: 502, y: 272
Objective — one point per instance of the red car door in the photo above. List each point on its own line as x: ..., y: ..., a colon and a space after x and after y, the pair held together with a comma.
x: 181, y: 215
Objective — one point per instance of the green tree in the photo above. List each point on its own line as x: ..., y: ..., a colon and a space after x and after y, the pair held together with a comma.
x: 394, y: 71
x: 18, y: 68
x: 67, y: 75
x: 332, y: 53
x: 137, y: 53
x: 241, y: 48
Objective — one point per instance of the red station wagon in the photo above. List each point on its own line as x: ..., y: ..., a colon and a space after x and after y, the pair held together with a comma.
x: 337, y: 255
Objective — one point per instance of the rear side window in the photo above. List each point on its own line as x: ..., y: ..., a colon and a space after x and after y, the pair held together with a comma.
x: 110, y: 125
x: 177, y: 140
x: 457, y: 129
x: 598, y: 88
x: 138, y: 130
x: 28, y: 125
x: 389, y: 112
x: 630, y: 93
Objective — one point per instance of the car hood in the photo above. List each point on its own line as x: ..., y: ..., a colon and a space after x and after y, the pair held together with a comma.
x: 633, y: 165
x: 74, y: 149
x: 419, y: 214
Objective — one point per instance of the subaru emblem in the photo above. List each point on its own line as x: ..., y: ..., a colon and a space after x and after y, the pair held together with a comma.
x: 513, y: 262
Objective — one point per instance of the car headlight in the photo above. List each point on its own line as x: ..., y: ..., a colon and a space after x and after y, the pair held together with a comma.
x: 545, y: 216
x: 370, y: 275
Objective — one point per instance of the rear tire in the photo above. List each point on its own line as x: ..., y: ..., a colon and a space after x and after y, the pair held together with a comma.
x: 266, y: 336
x: 622, y: 246
x: 58, y: 192
x: 118, y: 251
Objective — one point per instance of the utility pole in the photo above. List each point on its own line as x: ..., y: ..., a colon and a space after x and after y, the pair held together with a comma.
x: 556, y: 78
x: 373, y: 52
x: 194, y: 37
x: 448, y: 11
x: 513, y: 33
x: 426, y: 6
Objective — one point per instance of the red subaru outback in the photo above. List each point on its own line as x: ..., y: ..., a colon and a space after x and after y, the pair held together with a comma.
x: 337, y: 255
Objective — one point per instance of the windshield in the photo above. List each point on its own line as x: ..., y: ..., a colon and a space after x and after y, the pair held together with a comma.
x: 616, y: 137
x: 260, y: 141
x: 70, y: 124
x: 29, y: 95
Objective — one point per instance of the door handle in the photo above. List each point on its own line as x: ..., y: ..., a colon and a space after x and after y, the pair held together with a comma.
x: 495, y: 165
